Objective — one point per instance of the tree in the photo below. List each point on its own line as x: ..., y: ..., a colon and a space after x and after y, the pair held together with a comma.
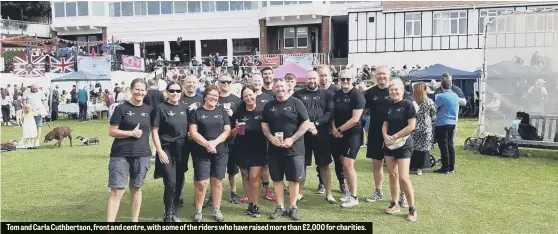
x: 22, y: 10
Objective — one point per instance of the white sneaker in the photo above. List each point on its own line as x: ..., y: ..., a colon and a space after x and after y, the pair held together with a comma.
x: 350, y: 203
x: 345, y: 198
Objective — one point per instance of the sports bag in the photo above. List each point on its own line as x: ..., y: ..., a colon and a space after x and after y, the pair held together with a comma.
x: 492, y: 145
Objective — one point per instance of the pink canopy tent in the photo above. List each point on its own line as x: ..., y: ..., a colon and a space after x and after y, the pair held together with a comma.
x: 294, y: 68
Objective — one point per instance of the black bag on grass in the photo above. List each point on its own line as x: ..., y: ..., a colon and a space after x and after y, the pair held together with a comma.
x: 492, y: 145
x: 510, y: 150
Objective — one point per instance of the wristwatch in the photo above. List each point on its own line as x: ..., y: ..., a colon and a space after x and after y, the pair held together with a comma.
x: 339, y: 130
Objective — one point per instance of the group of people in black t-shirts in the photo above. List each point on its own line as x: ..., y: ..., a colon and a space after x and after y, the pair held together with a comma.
x: 269, y: 129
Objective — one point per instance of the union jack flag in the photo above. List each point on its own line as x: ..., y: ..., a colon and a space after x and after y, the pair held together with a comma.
x: 63, y: 65
x: 34, y: 67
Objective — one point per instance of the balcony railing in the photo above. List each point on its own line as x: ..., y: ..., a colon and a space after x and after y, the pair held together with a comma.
x: 25, y: 27
x: 322, y: 58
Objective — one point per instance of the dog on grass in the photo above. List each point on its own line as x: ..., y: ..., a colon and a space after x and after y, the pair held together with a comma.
x: 88, y: 141
x: 59, y: 133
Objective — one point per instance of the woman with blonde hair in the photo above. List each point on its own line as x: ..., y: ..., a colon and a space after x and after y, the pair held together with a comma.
x: 423, y: 135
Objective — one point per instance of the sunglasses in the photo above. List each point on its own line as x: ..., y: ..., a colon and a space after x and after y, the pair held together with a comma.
x: 225, y: 81
x: 174, y: 91
x: 345, y: 79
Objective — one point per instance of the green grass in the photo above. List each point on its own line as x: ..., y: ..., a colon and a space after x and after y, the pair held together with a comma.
x: 486, y: 195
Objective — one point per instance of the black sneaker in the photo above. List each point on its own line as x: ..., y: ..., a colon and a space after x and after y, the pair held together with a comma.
x: 320, y: 189
x: 279, y: 212
x: 235, y: 199
x: 250, y: 209
x: 256, y: 211
x: 209, y: 202
x: 294, y: 213
x: 168, y: 218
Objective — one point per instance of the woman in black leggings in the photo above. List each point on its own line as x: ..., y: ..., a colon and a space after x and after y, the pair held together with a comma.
x: 170, y: 133
x: 6, y: 101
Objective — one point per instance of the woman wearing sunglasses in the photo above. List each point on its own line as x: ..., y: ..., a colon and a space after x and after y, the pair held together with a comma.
x: 210, y: 127
x: 398, y: 147
x: 170, y: 134
x: 349, y: 104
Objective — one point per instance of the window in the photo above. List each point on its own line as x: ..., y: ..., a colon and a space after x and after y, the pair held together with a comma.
x: 243, y: 45
x: 59, y: 9
x: 127, y: 8
x: 222, y: 5
x: 71, y: 9
x: 83, y: 8
x: 290, y: 2
x: 501, y: 24
x: 166, y: 7
x: 153, y: 8
x: 180, y: 7
x: 236, y: 5
x: 140, y: 7
x: 304, y: 2
x: 194, y: 6
x: 98, y: 8
x: 302, y: 37
x: 275, y: 3
x: 541, y: 22
x: 250, y: 5
x: 289, y: 37
x: 114, y: 9
x: 264, y: 4
x: 412, y: 24
x: 450, y: 23
x: 208, y: 6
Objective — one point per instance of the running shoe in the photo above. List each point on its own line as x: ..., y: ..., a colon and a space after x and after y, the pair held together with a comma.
x: 393, y: 208
x: 234, y: 198
x: 278, y: 213
x: 218, y: 216
x: 351, y: 202
x: 320, y: 189
x: 377, y: 196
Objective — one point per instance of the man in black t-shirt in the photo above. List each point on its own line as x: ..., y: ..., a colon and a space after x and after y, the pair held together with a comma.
x: 153, y: 98
x: 189, y: 96
x: 326, y: 82
x: 284, y: 123
x: 455, y: 89
x: 319, y: 104
x: 229, y: 103
x: 267, y: 74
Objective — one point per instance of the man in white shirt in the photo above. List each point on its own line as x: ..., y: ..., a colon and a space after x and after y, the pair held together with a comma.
x: 37, y: 101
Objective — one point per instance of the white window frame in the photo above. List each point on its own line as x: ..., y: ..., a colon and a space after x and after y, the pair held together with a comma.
x: 439, y: 19
x: 542, y: 22
x: 285, y: 37
x: 411, y: 21
x: 298, y: 36
x: 505, y: 24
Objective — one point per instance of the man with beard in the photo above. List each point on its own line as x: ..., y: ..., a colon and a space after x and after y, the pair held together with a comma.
x: 229, y: 103
x: 378, y: 102
x: 267, y: 74
x: 327, y: 83
x: 319, y: 104
x: 284, y: 123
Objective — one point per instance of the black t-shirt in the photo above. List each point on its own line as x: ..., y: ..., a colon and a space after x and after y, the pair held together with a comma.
x: 286, y: 117
x: 153, y: 98
x: 197, y: 99
x: 231, y: 100
x: 210, y: 125
x: 398, y: 117
x: 333, y: 88
x: 253, y: 142
x: 262, y: 99
x: 127, y: 116
x: 172, y: 121
x: 344, y: 104
x: 268, y: 92
x: 378, y: 102
x: 318, y: 103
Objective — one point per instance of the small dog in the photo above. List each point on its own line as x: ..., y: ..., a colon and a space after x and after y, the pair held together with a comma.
x: 88, y: 141
x: 59, y: 133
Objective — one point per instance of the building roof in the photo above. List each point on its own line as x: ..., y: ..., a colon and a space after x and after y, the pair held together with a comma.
x: 393, y: 5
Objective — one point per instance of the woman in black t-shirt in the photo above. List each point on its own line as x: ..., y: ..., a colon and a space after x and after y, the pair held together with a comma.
x: 398, y: 147
x: 170, y: 133
x: 130, y: 155
x: 250, y: 146
x: 210, y: 127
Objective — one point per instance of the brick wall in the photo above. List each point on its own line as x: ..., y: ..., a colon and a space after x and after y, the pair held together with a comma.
x: 263, y: 37
x: 324, y: 42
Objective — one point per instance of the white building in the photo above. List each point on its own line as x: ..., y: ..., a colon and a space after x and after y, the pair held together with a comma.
x: 450, y: 33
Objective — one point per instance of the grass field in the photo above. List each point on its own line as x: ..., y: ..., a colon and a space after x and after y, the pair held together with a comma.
x: 485, y: 195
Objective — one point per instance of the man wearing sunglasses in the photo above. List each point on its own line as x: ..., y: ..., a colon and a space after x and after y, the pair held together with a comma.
x: 229, y: 103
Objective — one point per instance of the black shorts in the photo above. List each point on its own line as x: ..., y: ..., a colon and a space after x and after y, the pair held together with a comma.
x: 347, y: 146
x: 120, y: 168
x: 401, y: 153
x: 289, y: 167
x: 209, y: 165
x: 247, y: 160
x: 232, y: 167
x: 319, y: 146
x: 375, y: 144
